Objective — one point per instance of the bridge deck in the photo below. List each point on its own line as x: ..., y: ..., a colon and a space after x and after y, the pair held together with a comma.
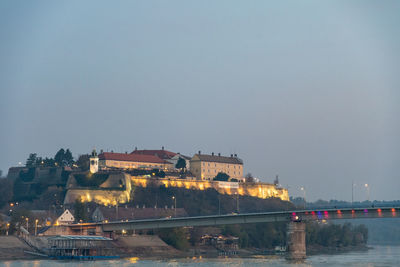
x: 281, y: 216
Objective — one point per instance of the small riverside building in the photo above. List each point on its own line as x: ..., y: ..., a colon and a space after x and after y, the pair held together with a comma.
x: 80, y: 247
x: 65, y: 218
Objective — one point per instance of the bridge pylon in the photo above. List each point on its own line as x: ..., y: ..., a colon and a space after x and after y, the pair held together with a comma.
x: 296, y: 240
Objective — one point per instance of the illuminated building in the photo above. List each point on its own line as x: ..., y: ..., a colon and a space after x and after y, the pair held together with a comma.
x: 94, y: 162
x: 108, y: 160
x: 206, y: 167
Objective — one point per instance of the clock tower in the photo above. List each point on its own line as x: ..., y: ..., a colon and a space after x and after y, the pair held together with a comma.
x: 94, y: 162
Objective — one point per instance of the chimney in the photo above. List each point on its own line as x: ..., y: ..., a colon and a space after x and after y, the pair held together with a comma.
x: 101, y: 151
x: 212, y: 153
x: 199, y: 152
x: 135, y: 148
x: 219, y: 154
x: 235, y: 155
x: 231, y: 155
x: 126, y: 152
x: 162, y: 148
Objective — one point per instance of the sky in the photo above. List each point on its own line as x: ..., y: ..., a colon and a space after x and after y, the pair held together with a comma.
x: 308, y: 90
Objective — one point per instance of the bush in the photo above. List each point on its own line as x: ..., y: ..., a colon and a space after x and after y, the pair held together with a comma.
x: 176, y: 237
x: 90, y: 180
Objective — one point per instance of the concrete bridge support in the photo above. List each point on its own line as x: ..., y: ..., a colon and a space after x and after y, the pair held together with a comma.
x: 296, y: 244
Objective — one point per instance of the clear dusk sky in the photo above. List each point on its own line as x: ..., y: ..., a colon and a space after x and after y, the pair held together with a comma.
x: 309, y: 90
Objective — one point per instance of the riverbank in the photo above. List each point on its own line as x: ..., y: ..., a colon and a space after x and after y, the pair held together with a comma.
x: 12, y: 248
x: 151, y: 247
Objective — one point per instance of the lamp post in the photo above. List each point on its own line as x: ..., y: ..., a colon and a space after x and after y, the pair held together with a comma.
x: 8, y: 227
x: 36, y: 223
x: 219, y: 204
x: 174, y: 198
x: 27, y: 224
x: 368, y: 191
x: 237, y: 202
x: 352, y: 193
x: 304, y: 195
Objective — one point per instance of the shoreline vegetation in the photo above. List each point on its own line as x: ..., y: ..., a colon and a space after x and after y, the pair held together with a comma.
x: 152, y: 248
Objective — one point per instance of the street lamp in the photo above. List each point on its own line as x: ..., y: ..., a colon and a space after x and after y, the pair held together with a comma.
x: 80, y: 222
x: 304, y: 195
x: 174, y: 198
x: 237, y: 202
x: 27, y: 224
x: 8, y: 227
x: 219, y: 204
x: 352, y: 192
x: 36, y: 223
x: 368, y: 190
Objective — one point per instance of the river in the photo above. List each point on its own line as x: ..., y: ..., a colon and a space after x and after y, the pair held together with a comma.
x: 379, y: 256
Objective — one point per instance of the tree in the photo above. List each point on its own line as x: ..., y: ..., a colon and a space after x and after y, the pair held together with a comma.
x: 83, y: 162
x: 181, y: 164
x: 49, y: 162
x: 176, y: 237
x: 249, y: 178
x: 80, y: 211
x: 39, y: 161
x: 1, y: 173
x: 6, y: 191
x: 221, y: 176
x: 68, y: 158
x: 31, y: 161
x: 59, y: 158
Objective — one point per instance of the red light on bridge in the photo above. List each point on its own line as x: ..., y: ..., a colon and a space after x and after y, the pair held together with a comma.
x: 294, y: 213
x: 353, y: 211
x: 393, y: 210
x: 313, y: 212
x: 339, y: 211
x: 379, y: 210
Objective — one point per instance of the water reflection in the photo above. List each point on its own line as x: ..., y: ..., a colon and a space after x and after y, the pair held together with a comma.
x: 379, y: 256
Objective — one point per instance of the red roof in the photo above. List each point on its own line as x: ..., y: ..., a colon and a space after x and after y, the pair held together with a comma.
x: 163, y: 154
x: 131, y: 157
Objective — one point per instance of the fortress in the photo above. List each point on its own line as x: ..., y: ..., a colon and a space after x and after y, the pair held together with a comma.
x: 118, y: 188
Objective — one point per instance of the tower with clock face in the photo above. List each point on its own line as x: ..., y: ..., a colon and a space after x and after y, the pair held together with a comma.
x: 94, y: 162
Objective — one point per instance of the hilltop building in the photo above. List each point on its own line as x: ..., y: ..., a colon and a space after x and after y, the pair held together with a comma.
x: 206, y: 167
x: 162, y: 154
x: 109, y: 160
x: 166, y: 155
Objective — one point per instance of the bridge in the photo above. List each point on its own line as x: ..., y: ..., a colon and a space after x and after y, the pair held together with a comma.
x: 295, y: 220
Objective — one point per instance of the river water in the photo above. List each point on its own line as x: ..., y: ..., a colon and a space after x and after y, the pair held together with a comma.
x: 379, y: 256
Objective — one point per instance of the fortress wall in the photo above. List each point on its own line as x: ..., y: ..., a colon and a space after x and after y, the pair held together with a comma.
x: 105, y: 197
x: 112, y: 197
x: 259, y: 190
